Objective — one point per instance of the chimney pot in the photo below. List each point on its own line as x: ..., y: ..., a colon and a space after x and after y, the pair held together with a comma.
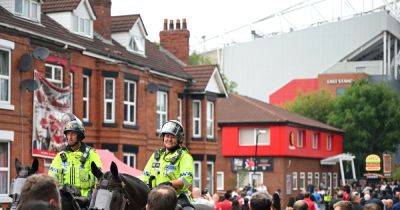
x: 171, y: 24
x: 165, y: 24
x: 178, y: 24
x: 184, y: 24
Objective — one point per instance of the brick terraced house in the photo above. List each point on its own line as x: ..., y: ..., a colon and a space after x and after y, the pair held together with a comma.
x: 121, y: 85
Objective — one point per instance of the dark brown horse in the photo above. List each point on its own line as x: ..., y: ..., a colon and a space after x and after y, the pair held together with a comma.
x: 118, y: 191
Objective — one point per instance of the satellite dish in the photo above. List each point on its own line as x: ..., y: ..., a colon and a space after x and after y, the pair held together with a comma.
x: 152, y: 88
x: 25, y: 62
x: 29, y: 84
x: 41, y: 53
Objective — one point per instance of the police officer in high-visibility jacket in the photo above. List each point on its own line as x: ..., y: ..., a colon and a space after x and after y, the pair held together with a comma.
x: 72, y: 166
x: 172, y: 164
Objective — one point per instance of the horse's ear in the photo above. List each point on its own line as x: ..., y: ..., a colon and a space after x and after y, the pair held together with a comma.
x: 18, y: 165
x: 114, y: 169
x: 96, y: 171
x: 35, y: 166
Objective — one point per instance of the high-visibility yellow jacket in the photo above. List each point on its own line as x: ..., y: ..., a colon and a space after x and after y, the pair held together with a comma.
x: 164, y: 170
x: 68, y: 169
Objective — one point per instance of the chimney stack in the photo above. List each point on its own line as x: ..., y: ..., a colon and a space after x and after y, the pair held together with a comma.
x: 102, y: 24
x: 176, y: 40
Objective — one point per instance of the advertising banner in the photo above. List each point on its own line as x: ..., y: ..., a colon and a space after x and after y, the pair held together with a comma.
x: 387, y: 164
x: 373, y: 163
x: 261, y: 164
x: 50, y: 103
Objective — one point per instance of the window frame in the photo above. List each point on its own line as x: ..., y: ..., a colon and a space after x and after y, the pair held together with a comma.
x: 128, y: 155
x: 329, y: 180
x: 6, y: 169
x: 27, y: 14
x: 300, y: 138
x: 160, y: 112
x: 130, y: 103
x: 196, y: 162
x: 329, y: 141
x: 196, y: 119
x: 8, y: 78
x: 210, y: 118
x: 335, y: 180
x: 316, y: 177
x: 112, y: 101
x: 221, y: 187
x: 208, y: 179
x: 310, y: 177
x: 294, y: 181
x: 81, y: 28
x: 302, y: 180
x: 52, y: 79
x: 323, y: 178
x: 86, y: 99
x: 315, y: 140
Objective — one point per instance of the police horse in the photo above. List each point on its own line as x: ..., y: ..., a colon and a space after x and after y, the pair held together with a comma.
x: 117, y: 191
x: 23, y: 172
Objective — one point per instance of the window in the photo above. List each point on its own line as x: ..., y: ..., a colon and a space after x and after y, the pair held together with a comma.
x: 329, y: 142
x: 179, y: 111
x: 256, y: 178
x: 130, y: 159
x: 294, y: 177
x: 315, y: 140
x: 81, y: 26
x: 29, y: 9
x: 329, y: 180
x: 197, y: 174
x: 54, y: 74
x: 220, y: 180
x: 86, y: 88
x: 302, y: 181
x: 291, y: 140
x: 335, y: 180
x: 300, y: 138
x: 136, y: 44
x: 130, y: 102
x: 210, y: 119
x: 162, y: 109
x: 71, y: 85
x: 316, y: 179
x: 323, y: 180
x: 309, y: 178
x: 210, y: 177
x: 4, y: 169
x: 247, y: 136
x: 5, y: 76
x: 109, y: 100
x: 196, y: 118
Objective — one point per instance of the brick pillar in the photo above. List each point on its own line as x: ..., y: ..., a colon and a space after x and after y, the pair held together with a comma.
x: 175, y: 39
x: 102, y: 24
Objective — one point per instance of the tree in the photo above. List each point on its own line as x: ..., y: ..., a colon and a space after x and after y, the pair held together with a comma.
x: 370, y: 116
x: 315, y: 105
x: 198, y: 59
x: 230, y: 85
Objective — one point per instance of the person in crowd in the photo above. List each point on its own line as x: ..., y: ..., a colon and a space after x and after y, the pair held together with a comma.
x: 73, y: 165
x: 38, y: 205
x: 276, y: 199
x: 235, y: 205
x: 246, y: 205
x: 215, y: 198
x: 39, y: 187
x: 310, y: 203
x: 338, y: 196
x: 317, y: 197
x: 356, y: 200
x: 226, y: 204
x: 162, y: 197
x: 198, y: 198
x: 372, y: 206
x: 343, y: 205
x: 300, y: 205
x: 172, y: 164
x: 260, y: 201
x: 375, y: 199
x: 290, y: 203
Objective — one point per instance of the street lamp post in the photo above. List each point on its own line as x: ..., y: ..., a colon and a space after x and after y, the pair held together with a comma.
x: 255, y: 156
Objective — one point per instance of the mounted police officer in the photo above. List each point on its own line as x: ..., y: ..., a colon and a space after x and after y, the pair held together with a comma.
x: 172, y: 164
x: 71, y: 167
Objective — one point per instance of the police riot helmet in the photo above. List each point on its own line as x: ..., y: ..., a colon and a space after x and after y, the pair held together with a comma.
x: 72, y: 123
x: 173, y: 127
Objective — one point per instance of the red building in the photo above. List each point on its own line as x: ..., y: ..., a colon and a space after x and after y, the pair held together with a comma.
x: 119, y: 83
x: 288, y: 147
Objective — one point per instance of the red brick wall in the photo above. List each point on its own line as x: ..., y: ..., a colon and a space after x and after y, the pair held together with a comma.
x: 102, y: 24
x: 176, y: 41
x: 331, y: 82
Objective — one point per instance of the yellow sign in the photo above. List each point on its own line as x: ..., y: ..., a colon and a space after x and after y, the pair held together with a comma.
x: 373, y: 163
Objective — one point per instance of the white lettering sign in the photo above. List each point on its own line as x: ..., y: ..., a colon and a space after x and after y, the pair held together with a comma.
x: 339, y: 81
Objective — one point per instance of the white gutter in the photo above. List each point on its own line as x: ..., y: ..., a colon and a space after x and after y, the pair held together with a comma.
x: 44, y: 36
x: 94, y: 55
x: 168, y: 76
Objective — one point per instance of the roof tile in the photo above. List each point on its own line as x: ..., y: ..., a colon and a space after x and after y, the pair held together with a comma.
x: 59, y: 5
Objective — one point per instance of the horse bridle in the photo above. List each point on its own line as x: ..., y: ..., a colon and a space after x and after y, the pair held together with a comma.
x: 105, y: 184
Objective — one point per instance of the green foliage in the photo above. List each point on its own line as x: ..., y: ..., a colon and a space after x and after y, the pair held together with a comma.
x: 316, y: 105
x: 197, y: 59
x: 230, y: 85
x: 370, y: 116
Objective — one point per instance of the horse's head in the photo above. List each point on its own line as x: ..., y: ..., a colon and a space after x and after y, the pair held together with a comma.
x: 118, y: 191
x: 24, y: 171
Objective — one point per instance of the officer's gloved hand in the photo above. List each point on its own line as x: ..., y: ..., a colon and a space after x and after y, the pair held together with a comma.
x: 82, y: 201
x: 166, y: 183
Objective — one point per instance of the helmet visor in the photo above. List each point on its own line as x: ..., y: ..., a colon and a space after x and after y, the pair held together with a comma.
x: 171, y: 128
